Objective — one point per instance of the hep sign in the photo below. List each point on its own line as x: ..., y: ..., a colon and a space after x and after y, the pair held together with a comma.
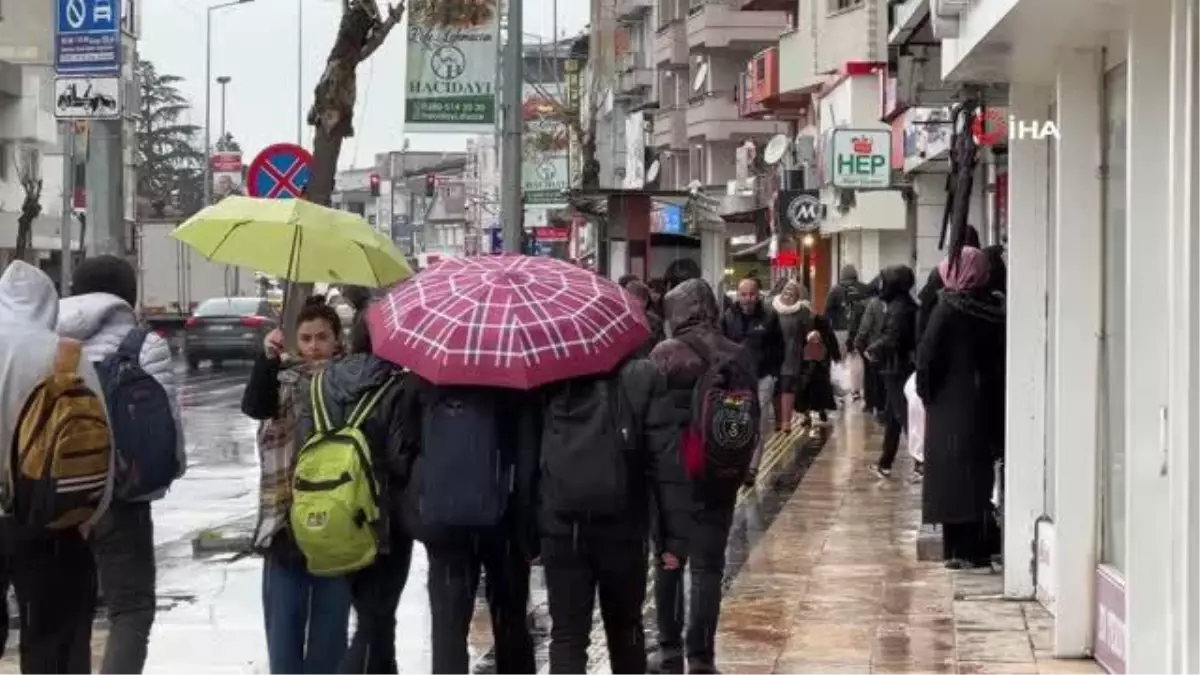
x: 861, y: 158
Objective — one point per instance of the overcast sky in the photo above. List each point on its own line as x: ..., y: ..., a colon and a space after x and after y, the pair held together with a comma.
x: 256, y: 45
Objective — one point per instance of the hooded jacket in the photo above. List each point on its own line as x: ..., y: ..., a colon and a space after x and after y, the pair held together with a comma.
x: 101, y: 321
x: 842, y: 296
x: 758, y: 332
x: 893, y: 351
x: 345, y: 382
x: 28, y: 345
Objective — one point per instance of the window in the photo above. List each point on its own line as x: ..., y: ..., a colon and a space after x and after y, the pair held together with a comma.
x: 843, y: 5
x: 5, y: 152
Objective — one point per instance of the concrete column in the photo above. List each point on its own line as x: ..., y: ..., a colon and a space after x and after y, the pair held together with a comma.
x: 1183, y: 338
x: 1147, y: 312
x: 1077, y: 321
x: 1025, y: 432
x: 105, y: 188
x: 712, y: 253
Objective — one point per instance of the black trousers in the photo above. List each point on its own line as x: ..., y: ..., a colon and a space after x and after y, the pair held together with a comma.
x: 973, y: 542
x: 874, y: 395
x: 896, y: 412
x: 123, y: 543
x: 576, y: 569
x: 454, y: 567
x: 54, y: 574
x: 376, y: 593
x: 705, y: 562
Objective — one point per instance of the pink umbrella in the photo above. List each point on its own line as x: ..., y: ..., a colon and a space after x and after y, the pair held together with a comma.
x: 506, y: 321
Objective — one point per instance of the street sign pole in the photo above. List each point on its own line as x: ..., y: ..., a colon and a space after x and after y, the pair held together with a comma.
x: 68, y: 207
x: 512, y: 209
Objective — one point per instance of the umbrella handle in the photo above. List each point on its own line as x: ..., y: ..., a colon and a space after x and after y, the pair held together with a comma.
x: 287, y: 294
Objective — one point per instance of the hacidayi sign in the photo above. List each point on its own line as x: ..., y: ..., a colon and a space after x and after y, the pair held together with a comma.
x: 452, y: 66
x: 861, y: 158
x: 545, y: 147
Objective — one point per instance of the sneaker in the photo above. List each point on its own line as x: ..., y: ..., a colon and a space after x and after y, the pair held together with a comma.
x: 751, y: 478
x: 881, y: 472
x: 666, y: 663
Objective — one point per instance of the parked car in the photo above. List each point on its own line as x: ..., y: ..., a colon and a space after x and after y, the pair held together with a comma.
x: 227, y: 329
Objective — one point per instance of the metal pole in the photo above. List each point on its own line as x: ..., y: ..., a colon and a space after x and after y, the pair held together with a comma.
x: 512, y: 211
x: 224, y: 80
x: 300, y: 72
x: 208, y: 179
x: 68, y: 208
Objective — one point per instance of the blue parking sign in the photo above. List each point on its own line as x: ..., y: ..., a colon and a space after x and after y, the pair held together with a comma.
x: 87, y: 37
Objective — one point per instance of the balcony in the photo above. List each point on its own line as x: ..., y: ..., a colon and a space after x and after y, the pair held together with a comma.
x: 768, y: 5
x: 670, y: 130
x: 633, y: 9
x: 671, y: 45
x: 797, y: 63
x: 717, y: 118
x: 715, y: 24
x: 633, y: 76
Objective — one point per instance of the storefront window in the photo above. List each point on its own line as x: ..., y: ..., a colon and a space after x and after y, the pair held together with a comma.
x: 1112, y: 431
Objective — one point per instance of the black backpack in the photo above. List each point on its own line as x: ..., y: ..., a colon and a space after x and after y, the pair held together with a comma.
x: 856, y: 306
x: 587, y: 437
x: 726, y: 418
x: 463, y: 478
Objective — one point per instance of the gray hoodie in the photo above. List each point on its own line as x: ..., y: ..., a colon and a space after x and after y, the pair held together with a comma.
x: 28, y: 345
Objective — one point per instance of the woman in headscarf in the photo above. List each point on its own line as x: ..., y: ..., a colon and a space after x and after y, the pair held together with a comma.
x: 795, y: 323
x: 960, y: 378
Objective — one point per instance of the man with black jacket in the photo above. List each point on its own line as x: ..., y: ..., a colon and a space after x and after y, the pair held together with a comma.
x: 750, y: 324
x: 594, y: 523
x: 693, y: 321
x: 893, y: 354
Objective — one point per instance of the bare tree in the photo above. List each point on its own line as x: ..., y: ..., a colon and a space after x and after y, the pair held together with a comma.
x: 361, y: 32
x: 31, y: 205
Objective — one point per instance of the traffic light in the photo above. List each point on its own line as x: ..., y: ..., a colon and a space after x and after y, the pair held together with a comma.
x: 374, y: 182
x: 430, y: 185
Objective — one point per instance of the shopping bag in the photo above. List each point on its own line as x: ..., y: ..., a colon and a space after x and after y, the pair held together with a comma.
x: 839, y: 375
x: 916, y: 420
x: 854, y: 364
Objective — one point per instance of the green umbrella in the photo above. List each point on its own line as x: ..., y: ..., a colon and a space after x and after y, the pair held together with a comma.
x: 295, y: 240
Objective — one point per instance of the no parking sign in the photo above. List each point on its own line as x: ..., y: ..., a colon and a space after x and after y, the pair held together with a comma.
x: 282, y: 171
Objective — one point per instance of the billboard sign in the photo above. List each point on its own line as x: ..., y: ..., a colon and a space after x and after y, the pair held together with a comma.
x: 451, y: 79
x: 545, y: 147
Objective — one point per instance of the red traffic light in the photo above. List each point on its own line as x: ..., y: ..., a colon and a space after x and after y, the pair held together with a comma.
x: 430, y: 185
x: 374, y: 182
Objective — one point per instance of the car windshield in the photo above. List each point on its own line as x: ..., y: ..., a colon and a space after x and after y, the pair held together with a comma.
x: 228, y: 307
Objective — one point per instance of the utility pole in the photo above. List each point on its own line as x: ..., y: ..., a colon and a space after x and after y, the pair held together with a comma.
x: 224, y: 82
x: 300, y: 73
x: 68, y: 208
x: 512, y: 207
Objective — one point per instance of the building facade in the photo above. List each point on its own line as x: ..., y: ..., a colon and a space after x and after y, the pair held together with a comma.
x: 1102, y: 470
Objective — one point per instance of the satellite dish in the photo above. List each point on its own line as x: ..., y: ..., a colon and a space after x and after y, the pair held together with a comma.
x: 701, y: 77
x: 775, y: 149
x: 652, y: 172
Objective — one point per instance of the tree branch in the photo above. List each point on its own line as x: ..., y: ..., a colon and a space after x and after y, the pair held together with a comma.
x: 380, y: 32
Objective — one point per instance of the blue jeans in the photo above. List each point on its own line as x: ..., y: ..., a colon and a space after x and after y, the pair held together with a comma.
x: 307, y: 619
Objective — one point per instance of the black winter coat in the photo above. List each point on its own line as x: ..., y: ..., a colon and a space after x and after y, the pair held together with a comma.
x: 655, y: 471
x: 960, y: 378
x: 814, y: 389
x: 758, y: 333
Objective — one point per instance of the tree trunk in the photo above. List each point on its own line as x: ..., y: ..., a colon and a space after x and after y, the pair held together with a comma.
x: 31, y: 208
x: 361, y: 31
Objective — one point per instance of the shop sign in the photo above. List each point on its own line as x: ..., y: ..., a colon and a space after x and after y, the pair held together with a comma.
x: 1110, y: 621
x: 549, y: 234
x: 545, y: 171
x: 861, y: 159
x: 451, y: 79
x: 800, y: 210
x: 668, y: 220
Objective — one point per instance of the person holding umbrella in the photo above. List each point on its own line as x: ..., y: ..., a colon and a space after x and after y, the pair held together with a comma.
x: 482, y: 334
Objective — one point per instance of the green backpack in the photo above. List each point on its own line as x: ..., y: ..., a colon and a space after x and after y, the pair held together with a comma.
x: 335, y: 500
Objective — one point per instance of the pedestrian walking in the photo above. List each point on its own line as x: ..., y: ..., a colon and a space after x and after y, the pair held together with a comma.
x: 892, y: 355
x: 750, y: 324
x: 135, y: 368
x: 795, y: 317
x: 870, y: 330
x: 306, y: 616
x: 701, y: 364
x: 928, y: 295
x: 846, y: 302
x: 814, y: 384
x: 345, y: 385
x: 653, y: 318
x: 608, y: 445
x: 960, y: 378
x: 44, y: 377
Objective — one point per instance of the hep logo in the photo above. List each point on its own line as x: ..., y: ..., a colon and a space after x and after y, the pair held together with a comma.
x: 995, y: 128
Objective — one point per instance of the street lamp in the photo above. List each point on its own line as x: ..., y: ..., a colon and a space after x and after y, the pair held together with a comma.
x: 208, y: 96
x: 223, y: 80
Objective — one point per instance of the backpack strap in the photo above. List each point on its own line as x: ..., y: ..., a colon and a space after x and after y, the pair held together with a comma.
x: 131, y: 345
x: 320, y: 413
x: 367, y: 404
x: 67, y: 357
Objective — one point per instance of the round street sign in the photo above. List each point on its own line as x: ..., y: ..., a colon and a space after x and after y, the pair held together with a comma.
x: 804, y: 212
x: 281, y: 171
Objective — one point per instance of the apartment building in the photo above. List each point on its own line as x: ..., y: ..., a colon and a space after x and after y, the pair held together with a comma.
x: 30, y: 140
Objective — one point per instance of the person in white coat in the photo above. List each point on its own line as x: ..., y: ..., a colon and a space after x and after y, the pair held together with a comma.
x: 54, y: 572
x: 100, y: 313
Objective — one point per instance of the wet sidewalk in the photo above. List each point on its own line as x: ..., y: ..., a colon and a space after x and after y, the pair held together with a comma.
x: 834, y: 586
